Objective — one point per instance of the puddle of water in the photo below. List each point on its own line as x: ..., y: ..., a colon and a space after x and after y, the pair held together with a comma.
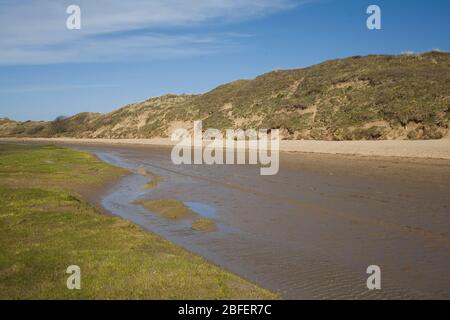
x: 204, y: 210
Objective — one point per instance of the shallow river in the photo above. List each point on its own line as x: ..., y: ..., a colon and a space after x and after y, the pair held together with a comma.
x: 312, y: 230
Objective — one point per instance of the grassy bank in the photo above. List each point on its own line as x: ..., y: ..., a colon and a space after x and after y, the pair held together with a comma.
x: 45, y: 227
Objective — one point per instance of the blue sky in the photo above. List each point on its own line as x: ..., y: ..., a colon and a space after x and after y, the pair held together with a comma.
x: 128, y: 51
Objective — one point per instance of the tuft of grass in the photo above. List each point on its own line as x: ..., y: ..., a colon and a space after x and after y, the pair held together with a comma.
x: 142, y: 172
x: 155, y: 179
x: 44, y: 228
x: 154, y: 182
x: 205, y: 225
x: 168, y: 208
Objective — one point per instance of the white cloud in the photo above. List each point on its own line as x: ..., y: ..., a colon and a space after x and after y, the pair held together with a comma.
x: 34, y: 32
x: 438, y: 50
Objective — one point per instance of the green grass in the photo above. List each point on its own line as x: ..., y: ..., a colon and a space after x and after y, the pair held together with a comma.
x: 154, y: 178
x: 206, y: 225
x: 52, y: 166
x: 44, y: 228
x: 153, y: 183
x: 168, y: 208
x: 173, y: 209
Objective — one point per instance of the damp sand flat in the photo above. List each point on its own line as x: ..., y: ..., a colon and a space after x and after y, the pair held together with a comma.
x: 435, y: 149
x: 310, y: 231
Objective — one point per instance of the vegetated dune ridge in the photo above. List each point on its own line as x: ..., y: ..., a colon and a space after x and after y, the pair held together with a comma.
x: 377, y: 97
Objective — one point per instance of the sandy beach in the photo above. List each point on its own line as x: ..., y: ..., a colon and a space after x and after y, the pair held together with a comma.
x: 434, y: 149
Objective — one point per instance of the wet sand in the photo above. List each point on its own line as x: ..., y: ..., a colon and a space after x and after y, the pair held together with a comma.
x: 309, y: 232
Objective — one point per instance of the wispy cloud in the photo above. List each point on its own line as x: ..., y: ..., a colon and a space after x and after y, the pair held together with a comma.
x: 34, y: 32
